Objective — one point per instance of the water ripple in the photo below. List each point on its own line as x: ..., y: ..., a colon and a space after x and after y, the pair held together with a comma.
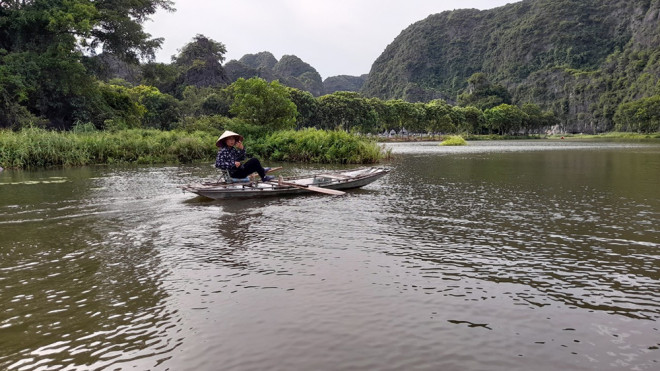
x: 590, y: 258
x: 491, y: 260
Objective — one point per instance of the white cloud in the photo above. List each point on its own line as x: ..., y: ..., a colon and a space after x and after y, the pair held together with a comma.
x: 337, y: 37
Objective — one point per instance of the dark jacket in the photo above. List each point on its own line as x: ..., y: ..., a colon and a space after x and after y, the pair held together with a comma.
x: 227, y: 156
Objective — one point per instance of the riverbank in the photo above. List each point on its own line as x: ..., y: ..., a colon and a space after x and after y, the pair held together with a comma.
x: 474, y: 137
x: 608, y: 136
x: 38, y: 148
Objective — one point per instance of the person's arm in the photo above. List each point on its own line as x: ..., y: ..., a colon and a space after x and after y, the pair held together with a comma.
x: 240, y: 151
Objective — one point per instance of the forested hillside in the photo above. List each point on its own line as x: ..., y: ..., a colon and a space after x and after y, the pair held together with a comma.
x: 582, y: 59
x: 528, y: 67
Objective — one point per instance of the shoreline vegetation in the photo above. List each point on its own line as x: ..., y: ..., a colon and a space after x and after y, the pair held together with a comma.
x: 33, y: 148
x: 622, y: 136
x: 85, y: 70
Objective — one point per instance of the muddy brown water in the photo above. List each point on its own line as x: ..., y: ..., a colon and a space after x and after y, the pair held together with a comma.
x: 507, y: 255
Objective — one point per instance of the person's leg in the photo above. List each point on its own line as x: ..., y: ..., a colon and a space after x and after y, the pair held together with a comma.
x: 251, y: 166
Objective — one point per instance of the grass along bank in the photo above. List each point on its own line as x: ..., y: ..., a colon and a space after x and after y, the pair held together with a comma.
x: 609, y: 136
x: 37, y: 148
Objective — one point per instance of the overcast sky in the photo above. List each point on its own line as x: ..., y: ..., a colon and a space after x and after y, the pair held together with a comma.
x: 336, y: 37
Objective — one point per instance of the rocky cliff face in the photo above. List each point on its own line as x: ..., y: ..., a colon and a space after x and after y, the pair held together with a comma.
x: 290, y: 71
x: 579, y: 58
x: 343, y: 83
x: 263, y: 60
x: 299, y: 74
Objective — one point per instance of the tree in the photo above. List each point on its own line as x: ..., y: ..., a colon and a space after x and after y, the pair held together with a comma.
x: 160, y: 75
x: 534, y: 119
x: 642, y: 115
x: 473, y: 120
x: 307, y: 107
x: 161, y: 110
x: 401, y: 114
x: 260, y: 103
x: 346, y: 111
x: 381, y: 111
x: 505, y: 118
x: 194, y: 98
x: 116, y: 109
x: 42, y: 44
x: 117, y: 27
x: 217, y: 103
x: 439, y: 117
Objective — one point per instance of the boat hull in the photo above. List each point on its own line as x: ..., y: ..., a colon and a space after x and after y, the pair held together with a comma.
x: 342, y: 180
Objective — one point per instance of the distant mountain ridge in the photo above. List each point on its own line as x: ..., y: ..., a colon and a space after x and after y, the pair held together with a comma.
x: 290, y: 71
x: 579, y: 58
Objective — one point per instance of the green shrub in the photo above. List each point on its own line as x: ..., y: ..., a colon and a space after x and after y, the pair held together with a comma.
x: 453, y: 140
x: 318, y: 146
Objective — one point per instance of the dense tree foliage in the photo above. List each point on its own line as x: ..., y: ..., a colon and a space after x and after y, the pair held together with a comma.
x: 482, y: 94
x: 346, y: 111
x: 160, y: 75
x: 41, y: 48
x: 306, y: 105
x: 642, y: 115
x: 263, y: 104
x: 504, y: 119
x: 161, y: 110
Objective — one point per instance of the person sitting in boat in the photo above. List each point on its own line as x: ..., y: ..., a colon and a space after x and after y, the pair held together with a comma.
x: 230, y: 155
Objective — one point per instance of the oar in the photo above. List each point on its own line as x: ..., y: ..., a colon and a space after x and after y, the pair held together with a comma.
x: 275, y: 169
x: 328, y: 191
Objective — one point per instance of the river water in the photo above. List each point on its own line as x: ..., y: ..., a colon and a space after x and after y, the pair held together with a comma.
x: 515, y: 255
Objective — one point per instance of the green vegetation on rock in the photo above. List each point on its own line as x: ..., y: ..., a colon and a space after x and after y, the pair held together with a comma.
x: 578, y: 59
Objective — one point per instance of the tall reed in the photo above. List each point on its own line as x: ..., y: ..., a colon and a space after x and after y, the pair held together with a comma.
x: 35, y: 148
x: 38, y: 148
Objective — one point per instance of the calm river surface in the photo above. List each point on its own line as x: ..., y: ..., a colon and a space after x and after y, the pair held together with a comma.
x: 512, y: 255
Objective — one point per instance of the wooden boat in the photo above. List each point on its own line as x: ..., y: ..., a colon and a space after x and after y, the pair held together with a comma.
x: 328, y: 183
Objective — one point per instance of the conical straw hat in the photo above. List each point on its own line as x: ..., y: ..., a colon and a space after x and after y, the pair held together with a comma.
x: 221, y: 141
